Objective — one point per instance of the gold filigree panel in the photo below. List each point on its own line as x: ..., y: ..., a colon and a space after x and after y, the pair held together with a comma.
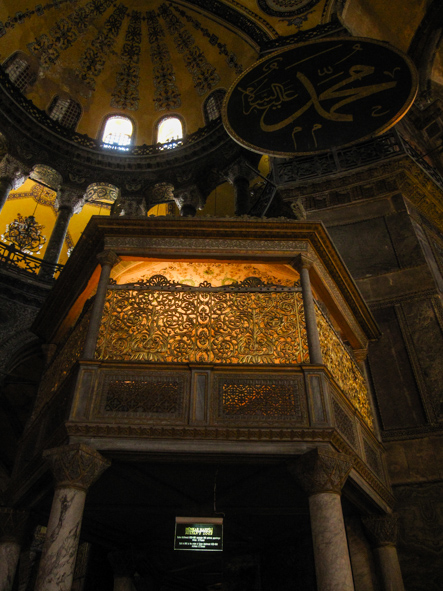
x: 207, y: 327
x: 63, y: 361
x: 343, y: 368
x: 262, y: 399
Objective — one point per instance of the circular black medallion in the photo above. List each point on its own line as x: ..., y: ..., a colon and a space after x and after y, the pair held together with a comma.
x: 317, y: 95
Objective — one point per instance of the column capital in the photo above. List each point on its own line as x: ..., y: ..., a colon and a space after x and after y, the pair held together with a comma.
x: 12, y: 524
x: 76, y: 465
x: 381, y: 529
x: 239, y: 169
x: 188, y: 199
x: 301, y: 261
x: 108, y: 257
x: 70, y: 198
x: 319, y: 471
x: 360, y: 355
x: 14, y: 171
x: 47, y: 176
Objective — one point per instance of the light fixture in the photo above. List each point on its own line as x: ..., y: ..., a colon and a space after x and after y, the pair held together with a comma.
x: 25, y: 234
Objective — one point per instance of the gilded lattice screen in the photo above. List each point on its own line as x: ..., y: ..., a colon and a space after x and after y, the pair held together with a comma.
x: 247, y: 323
x: 344, y: 369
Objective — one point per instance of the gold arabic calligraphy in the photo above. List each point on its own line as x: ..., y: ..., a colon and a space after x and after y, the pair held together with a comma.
x: 263, y: 95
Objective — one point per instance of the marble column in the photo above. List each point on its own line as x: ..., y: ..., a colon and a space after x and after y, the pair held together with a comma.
x: 360, y: 552
x: 12, y: 175
x: 107, y: 259
x: 302, y: 264
x: 123, y: 566
x: 12, y: 528
x: 69, y: 201
x: 382, y: 531
x: 75, y: 468
x: 239, y: 176
x: 188, y: 199
x: 322, y: 474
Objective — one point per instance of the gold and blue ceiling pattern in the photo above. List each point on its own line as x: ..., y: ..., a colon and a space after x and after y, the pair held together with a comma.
x: 145, y: 58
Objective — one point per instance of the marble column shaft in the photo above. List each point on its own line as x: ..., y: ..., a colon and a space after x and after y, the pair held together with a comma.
x: 123, y: 565
x: 322, y: 474
x: 123, y: 584
x: 58, y: 235
x: 387, y: 558
x: 107, y: 260
x: 75, y: 468
x: 241, y: 195
x: 60, y: 549
x: 302, y: 264
x: 362, y: 560
x: 12, y: 527
x: 332, y: 563
x: 9, y: 555
x: 382, y: 531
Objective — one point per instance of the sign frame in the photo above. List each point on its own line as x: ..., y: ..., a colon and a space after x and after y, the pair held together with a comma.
x: 255, y: 147
x: 199, y: 541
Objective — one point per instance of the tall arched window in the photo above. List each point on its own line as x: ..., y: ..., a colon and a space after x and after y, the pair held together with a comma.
x: 118, y: 132
x: 170, y: 132
x: 65, y: 110
x: 20, y: 70
x: 213, y: 104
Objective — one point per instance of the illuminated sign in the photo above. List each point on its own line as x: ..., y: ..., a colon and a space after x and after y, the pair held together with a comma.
x: 198, y: 533
x: 321, y: 94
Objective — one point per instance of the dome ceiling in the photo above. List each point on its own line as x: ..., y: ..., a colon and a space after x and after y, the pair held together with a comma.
x: 143, y: 58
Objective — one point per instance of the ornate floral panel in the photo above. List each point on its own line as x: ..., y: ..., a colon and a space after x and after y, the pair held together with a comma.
x: 67, y: 355
x: 178, y: 324
x: 262, y: 399
x: 344, y: 369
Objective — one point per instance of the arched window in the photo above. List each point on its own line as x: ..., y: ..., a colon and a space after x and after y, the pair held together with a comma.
x: 117, y: 132
x: 169, y: 130
x: 65, y: 110
x: 213, y: 104
x: 19, y: 70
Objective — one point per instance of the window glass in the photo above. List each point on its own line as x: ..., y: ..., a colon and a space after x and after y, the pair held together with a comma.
x: 66, y: 111
x: 169, y: 130
x: 213, y: 105
x: 118, y: 131
x: 19, y: 71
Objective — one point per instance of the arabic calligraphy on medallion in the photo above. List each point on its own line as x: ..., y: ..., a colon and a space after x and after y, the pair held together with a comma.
x: 318, y: 95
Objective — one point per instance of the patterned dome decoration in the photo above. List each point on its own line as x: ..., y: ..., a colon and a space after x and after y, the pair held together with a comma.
x: 286, y: 7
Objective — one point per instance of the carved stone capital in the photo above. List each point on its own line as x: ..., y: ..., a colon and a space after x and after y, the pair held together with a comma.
x: 188, y: 200
x: 13, y: 172
x: 76, y: 465
x: 319, y: 471
x: 301, y: 261
x: 70, y: 198
x: 239, y: 170
x: 102, y: 193
x: 122, y: 562
x: 108, y: 257
x: 382, y: 529
x: 360, y: 355
x: 12, y: 525
x: 298, y: 209
x: 47, y: 176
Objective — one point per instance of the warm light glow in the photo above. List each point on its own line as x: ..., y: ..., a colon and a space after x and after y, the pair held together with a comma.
x: 169, y: 129
x: 118, y: 131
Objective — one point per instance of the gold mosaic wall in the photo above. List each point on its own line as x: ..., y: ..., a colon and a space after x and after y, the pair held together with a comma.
x: 343, y: 368
x: 199, y: 326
